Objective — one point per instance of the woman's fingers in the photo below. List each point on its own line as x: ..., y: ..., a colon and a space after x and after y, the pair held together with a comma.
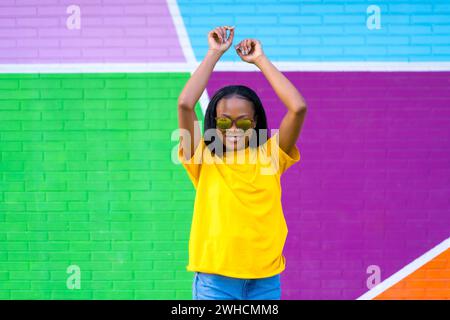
x: 221, y: 34
x: 224, y: 34
x: 230, y: 39
x: 249, y: 46
x: 218, y: 35
x: 249, y: 50
x: 255, y: 43
x: 219, y: 39
x: 243, y: 47
x: 239, y: 49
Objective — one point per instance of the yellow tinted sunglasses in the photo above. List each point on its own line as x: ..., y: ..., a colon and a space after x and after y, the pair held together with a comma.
x: 224, y: 123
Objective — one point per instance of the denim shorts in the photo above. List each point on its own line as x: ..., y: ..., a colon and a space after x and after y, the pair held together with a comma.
x: 208, y: 286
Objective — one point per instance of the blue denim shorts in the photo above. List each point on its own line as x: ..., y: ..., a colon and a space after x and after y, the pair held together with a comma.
x: 208, y: 286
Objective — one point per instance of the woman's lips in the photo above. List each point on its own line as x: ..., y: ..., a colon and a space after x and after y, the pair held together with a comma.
x: 233, y: 139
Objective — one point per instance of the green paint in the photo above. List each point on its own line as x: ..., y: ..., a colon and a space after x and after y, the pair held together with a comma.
x: 86, y: 179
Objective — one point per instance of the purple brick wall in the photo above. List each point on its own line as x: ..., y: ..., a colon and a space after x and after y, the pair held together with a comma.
x: 373, y: 184
x: 372, y: 187
x: 110, y: 31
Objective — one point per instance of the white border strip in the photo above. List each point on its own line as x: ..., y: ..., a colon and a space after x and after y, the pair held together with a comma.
x: 406, y: 271
x: 94, y: 67
x: 183, y: 38
x: 186, y: 46
x: 339, y: 66
x: 221, y: 66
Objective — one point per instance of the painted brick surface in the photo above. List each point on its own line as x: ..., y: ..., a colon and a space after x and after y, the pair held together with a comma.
x: 327, y: 30
x: 373, y: 182
x: 86, y: 179
x: 109, y: 31
x: 430, y: 282
x: 85, y: 171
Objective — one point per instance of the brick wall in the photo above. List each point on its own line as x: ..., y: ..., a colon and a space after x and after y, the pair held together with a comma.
x: 371, y: 186
x: 108, y: 31
x: 86, y: 178
x: 430, y: 282
x: 328, y: 30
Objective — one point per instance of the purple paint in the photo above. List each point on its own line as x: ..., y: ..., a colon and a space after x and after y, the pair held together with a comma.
x: 372, y: 186
x: 110, y: 31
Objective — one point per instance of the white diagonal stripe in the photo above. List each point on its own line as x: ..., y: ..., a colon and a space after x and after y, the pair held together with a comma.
x: 406, y: 271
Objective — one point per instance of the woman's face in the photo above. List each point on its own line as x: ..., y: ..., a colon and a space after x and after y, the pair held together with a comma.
x: 235, y: 108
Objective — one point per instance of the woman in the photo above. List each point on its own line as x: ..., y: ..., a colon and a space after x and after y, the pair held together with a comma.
x: 238, y: 229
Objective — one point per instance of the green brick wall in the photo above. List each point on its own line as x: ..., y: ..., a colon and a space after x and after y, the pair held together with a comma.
x: 86, y: 179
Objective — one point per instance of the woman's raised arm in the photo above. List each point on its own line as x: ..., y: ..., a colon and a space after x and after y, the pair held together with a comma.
x: 187, y: 120
x: 250, y: 50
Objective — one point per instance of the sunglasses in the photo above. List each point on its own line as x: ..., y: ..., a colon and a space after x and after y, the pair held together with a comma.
x: 224, y: 123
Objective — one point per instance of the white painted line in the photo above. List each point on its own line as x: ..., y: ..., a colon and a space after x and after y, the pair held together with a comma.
x: 94, y: 67
x: 183, y: 36
x: 185, y: 43
x: 339, y: 66
x: 406, y: 271
x: 204, y: 101
x: 224, y: 66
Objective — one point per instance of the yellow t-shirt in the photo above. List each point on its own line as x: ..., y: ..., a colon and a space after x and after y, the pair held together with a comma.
x: 238, y: 227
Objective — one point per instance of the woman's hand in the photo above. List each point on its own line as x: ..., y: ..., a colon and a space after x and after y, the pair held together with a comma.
x: 250, y: 50
x: 217, y: 38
